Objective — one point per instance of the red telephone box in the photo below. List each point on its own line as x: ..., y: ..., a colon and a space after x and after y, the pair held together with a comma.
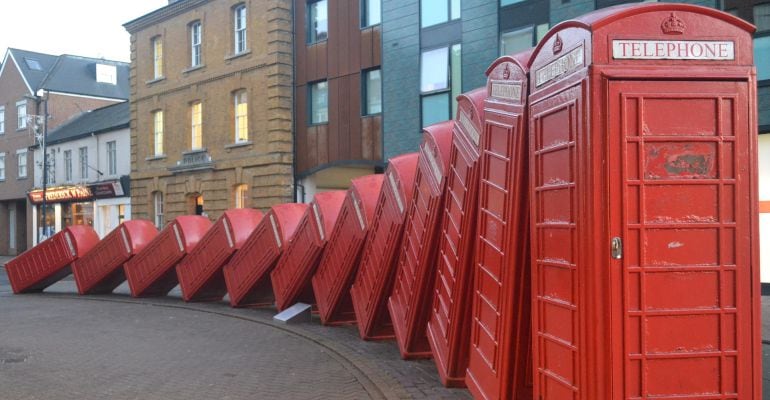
x: 643, y: 154
x: 151, y: 272
x: 247, y: 275
x: 101, y: 270
x: 374, y: 279
x: 200, y: 275
x: 291, y: 276
x: 409, y: 302
x: 49, y: 261
x: 451, y: 297
x: 498, y: 359
x: 339, y: 262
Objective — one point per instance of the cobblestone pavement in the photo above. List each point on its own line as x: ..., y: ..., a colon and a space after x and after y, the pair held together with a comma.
x: 58, y: 345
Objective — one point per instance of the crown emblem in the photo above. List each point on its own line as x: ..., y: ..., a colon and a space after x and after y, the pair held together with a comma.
x: 557, y: 44
x: 507, y: 73
x: 673, y: 25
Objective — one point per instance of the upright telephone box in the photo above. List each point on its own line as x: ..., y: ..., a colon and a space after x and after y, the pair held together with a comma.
x: 415, y: 271
x: 339, y: 262
x: 495, y: 344
x: 50, y: 261
x: 291, y: 276
x: 643, y: 154
x: 247, y: 275
x: 374, y: 280
x: 200, y: 274
x: 151, y: 272
x: 451, y: 297
x: 101, y: 270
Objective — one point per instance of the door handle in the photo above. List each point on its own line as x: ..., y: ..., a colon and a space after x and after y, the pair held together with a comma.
x: 616, y: 248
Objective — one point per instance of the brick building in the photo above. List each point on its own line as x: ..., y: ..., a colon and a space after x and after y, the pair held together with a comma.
x: 211, y: 107
x: 70, y: 85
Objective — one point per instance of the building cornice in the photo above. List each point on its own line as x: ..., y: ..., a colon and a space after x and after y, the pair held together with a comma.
x: 162, y: 14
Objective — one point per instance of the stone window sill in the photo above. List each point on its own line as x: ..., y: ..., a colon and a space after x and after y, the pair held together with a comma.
x: 237, y: 55
x: 194, y: 151
x: 156, y: 80
x: 239, y: 144
x: 193, y: 69
x: 156, y: 157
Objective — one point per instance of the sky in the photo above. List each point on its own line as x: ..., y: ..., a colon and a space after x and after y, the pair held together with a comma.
x: 91, y: 28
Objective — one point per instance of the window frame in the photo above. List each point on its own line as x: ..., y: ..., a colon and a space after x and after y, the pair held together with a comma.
x: 21, y: 154
x: 240, y: 196
x: 196, y: 109
x: 156, y: 43
x: 21, y: 117
x: 157, y: 205
x: 450, y: 4
x: 365, y: 92
x: 365, y: 7
x: 2, y: 120
x: 237, y: 118
x: 451, y: 90
x: 83, y: 158
x: 310, y: 109
x: 158, y: 128
x: 309, y: 21
x: 2, y: 166
x: 240, y: 35
x: 67, y: 160
x: 196, y: 48
x: 112, y: 157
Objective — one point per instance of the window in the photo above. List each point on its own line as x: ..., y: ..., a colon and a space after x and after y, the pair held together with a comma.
x: 2, y: 120
x: 157, y: 202
x: 83, y: 155
x: 112, y: 158
x: 241, y: 196
x: 440, y: 83
x: 195, y: 44
x: 21, y: 162
x: 33, y: 64
x: 107, y: 74
x: 2, y: 166
x: 239, y: 15
x: 68, y: 165
x: 370, y: 12
x: 157, y: 57
x: 372, y: 92
x: 433, y: 12
x: 762, y: 41
x: 512, y: 42
x: 196, y: 128
x: 319, y: 102
x: 51, y: 168
x: 21, y: 114
x: 241, y: 112
x: 157, y: 132
x: 318, y: 21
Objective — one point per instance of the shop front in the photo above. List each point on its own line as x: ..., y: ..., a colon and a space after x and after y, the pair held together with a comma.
x: 102, y: 206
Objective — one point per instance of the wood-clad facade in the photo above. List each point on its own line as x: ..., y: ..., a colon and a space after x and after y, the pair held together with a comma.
x: 350, y: 138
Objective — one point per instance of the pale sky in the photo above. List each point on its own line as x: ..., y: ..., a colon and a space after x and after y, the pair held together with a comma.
x: 91, y: 28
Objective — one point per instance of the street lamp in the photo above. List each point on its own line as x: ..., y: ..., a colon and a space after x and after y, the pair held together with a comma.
x: 42, y: 95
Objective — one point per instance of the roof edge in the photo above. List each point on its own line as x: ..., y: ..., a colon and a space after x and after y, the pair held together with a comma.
x: 161, y: 14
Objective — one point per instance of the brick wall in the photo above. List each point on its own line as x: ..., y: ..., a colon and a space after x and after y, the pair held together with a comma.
x: 264, y: 71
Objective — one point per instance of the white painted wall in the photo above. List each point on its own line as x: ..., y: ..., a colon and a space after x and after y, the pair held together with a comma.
x: 97, y: 158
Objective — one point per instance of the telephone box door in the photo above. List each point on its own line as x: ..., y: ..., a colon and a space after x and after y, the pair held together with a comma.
x: 679, y: 178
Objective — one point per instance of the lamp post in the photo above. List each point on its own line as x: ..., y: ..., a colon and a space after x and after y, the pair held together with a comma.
x: 42, y: 95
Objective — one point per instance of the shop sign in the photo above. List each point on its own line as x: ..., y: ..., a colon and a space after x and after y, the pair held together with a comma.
x: 107, y: 189
x: 61, y: 194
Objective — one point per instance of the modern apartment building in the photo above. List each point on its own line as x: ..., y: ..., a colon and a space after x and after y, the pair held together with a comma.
x: 338, y: 95
x: 211, y: 107
x: 30, y: 83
